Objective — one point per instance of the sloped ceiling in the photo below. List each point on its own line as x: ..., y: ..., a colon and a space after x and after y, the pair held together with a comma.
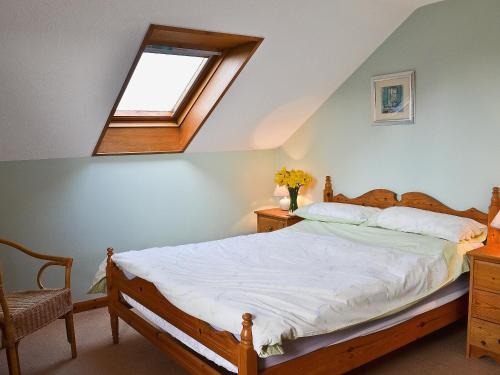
x: 62, y: 63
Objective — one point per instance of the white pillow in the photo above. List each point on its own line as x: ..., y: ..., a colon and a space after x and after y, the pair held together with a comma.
x: 337, y: 212
x: 413, y: 220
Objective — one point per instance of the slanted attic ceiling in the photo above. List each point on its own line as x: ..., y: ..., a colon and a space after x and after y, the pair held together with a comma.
x: 64, y: 61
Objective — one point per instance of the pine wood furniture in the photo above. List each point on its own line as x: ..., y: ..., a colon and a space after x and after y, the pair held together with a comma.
x: 90, y: 304
x: 23, y: 313
x: 493, y: 233
x: 483, y: 335
x: 334, y: 359
x: 273, y: 219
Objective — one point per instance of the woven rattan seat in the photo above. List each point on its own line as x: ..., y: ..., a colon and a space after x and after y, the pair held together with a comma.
x: 34, y: 309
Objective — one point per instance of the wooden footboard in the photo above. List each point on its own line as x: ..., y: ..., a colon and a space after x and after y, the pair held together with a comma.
x: 240, y: 353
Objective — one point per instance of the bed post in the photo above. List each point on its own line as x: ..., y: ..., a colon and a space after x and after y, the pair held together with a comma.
x: 328, y: 190
x: 247, y: 357
x: 493, y: 234
x: 112, y: 296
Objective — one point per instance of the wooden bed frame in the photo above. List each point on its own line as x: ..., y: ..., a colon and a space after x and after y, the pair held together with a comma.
x: 335, y: 359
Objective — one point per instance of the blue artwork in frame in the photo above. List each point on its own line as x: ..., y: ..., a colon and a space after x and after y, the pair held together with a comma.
x: 393, y: 98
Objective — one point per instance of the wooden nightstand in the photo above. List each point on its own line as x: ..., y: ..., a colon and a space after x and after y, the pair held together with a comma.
x: 274, y: 219
x: 483, y: 335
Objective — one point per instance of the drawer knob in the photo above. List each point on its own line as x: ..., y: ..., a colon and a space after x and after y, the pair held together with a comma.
x: 483, y: 343
x: 270, y: 228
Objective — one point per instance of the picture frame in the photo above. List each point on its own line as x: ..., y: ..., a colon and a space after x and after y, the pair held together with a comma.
x: 393, y: 98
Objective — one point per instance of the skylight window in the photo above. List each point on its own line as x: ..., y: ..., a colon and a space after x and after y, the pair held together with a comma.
x: 177, y: 78
x: 161, y: 80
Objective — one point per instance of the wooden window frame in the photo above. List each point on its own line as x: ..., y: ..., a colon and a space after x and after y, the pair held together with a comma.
x: 172, y: 133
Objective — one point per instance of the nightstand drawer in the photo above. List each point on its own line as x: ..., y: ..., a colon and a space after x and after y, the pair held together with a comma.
x: 267, y: 224
x: 486, y: 305
x: 485, y: 335
x: 487, y: 275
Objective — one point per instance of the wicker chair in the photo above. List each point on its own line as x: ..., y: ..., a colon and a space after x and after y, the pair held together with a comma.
x: 22, y: 313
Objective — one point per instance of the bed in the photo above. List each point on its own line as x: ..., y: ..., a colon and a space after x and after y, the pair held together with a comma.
x: 179, y: 326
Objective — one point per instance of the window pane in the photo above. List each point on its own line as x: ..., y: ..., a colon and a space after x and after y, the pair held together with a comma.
x: 159, y: 82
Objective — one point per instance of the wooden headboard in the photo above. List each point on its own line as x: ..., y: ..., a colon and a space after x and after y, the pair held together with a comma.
x: 383, y: 198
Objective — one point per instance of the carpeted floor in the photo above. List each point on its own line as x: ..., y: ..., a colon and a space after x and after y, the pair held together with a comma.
x: 47, y: 352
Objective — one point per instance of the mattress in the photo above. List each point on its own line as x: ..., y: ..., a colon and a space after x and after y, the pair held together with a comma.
x: 302, y: 346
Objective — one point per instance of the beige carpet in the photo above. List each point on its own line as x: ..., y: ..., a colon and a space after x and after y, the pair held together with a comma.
x: 47, y: 352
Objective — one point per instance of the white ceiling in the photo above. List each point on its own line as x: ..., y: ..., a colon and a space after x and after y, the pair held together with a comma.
x: 62, y: 63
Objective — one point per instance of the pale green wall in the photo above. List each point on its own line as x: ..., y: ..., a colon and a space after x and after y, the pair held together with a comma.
x: 453, y: 150
x: 78, y: 207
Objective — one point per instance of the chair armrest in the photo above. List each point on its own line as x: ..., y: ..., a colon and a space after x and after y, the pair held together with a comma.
x: 67, y: 275
x: 51, y: 261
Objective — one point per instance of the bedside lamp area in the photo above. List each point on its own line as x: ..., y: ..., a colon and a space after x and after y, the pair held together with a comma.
x: 282, y: 192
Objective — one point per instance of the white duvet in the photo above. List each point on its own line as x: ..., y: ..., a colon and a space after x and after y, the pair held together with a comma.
x: 297, y: 282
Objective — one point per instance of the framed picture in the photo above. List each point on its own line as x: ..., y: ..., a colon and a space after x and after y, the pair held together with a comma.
x: 393, y: 98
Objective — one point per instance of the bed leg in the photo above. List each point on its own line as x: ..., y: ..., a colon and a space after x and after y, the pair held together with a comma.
x: 112, y: 297
x: 114, y: 327
x: 247, y: 357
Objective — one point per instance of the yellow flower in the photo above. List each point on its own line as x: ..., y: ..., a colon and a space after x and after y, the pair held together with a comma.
x: 292, y: 178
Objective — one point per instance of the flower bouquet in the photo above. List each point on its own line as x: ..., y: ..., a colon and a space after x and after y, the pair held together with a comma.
x: 293, y: 179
